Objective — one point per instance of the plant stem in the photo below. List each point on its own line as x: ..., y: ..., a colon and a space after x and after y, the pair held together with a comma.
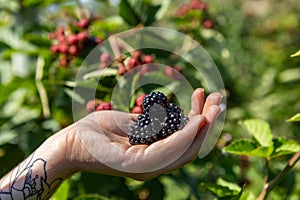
x: 266, y: 183
x: 268, y: 186
x: 40, y: 87
x: 283, y: 173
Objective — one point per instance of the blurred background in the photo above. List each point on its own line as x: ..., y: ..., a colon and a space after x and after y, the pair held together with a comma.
x: 250, y: 41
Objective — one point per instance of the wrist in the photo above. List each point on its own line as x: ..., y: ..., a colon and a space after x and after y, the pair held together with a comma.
x: 57, y: 151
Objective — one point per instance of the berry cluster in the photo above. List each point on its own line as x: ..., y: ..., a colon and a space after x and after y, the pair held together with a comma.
x: 72, y: 41
x: 97, y: 105
x: 124, y: 64
x: 159, y: 120
x: 138, y: 108
x: 186, y: 10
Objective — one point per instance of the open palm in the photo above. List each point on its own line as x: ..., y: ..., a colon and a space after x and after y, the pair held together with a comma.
x: 101, y: 143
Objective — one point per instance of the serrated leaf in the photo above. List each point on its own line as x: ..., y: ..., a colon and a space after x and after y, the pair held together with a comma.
x: 248, y: 148
x: 221, y: 191
x: 283, y: 146
x: 260, y: 131
x: 295, y: 118
x: 240, y: 147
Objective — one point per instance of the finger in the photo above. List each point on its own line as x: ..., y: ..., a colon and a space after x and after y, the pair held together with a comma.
x: 164, y: 152
x: 212, y: 99
x: 199, y: 141
x: 197, y: 101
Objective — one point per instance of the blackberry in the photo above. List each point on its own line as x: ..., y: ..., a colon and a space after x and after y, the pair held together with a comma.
x: 154, y: 98
x: 159, y: 120
x: 174, y: 121
x: 145, y: 130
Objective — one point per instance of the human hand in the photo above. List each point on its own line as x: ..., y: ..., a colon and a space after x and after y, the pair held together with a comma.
x: 99, y: 142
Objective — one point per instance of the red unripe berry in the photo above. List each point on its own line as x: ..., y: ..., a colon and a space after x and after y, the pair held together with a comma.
x: 84, y: 23
x: 148, y: 59
x: 104, y: 106
x: 207, y: 24
x: 122, y: 70
x: 98, y: 40
x: 54, y: 48
x: 169, y: 72
x: 182, y: 10
x: 82, y: 36
x: 105, y: 58
x: 60, y: 30
x: 91, y: 105
x: 61, y: 38
x: 72, y: 39
x: 132, y: 62
x: 63, y: 48
x: 137, y: 110
x: 73, y: 50
x: 52, y: 35
x: 198, y: 5
x: 63, y: 62
x: 136, y: 54
x: 139, y: 100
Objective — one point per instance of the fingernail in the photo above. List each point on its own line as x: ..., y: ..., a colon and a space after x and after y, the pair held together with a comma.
x: 216, y: 98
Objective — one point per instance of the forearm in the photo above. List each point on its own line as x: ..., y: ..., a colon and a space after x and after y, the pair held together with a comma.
x: 39, y: 174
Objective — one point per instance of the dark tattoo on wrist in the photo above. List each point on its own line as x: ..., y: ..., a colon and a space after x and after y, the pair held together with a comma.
x: 29, y: 181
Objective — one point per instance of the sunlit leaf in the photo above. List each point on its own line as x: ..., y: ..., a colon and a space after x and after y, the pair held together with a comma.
x: 283, y: 146
x: 296, y: 54
x: 62, y: 192
x: 260, y: 130
x: 295, y: 118
x: 240, y: 147
x: 221, y: 191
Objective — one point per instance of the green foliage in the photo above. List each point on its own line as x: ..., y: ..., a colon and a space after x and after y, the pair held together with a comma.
x: 263, y: 143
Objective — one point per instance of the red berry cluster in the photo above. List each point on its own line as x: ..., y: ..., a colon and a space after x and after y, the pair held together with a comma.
x: 195, y: 5
x: 137, y: 58
x: 97, y: 105
x: 72, y: 41
x: 138, y: 108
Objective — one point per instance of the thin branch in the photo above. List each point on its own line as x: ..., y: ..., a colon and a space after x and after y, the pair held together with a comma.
x: 283, y: 173
x: 40, y: 87
x: 266, y: 183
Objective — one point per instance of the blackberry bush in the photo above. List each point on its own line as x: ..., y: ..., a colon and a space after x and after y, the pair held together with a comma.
x: 159, y: 120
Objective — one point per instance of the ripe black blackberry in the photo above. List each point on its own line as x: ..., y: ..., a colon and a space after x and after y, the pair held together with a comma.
x: 174, y: 121
x: 145, y: 130
x: 160, y: 119
x: 154, y: 98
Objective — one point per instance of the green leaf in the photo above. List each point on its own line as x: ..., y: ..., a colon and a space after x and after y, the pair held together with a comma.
x: 240, y: 147
x: 136, y: 12
x: 260, y: 130
x: 295, y: 118
x: 101, y: 73
x: 221, y: 191
x: 283, y: 146
x: 127, y: 12
x: 232, y: 186
x: 13, y: 40
x: 296, y: 54
x: 248, y: 148
x: 62, y: 192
